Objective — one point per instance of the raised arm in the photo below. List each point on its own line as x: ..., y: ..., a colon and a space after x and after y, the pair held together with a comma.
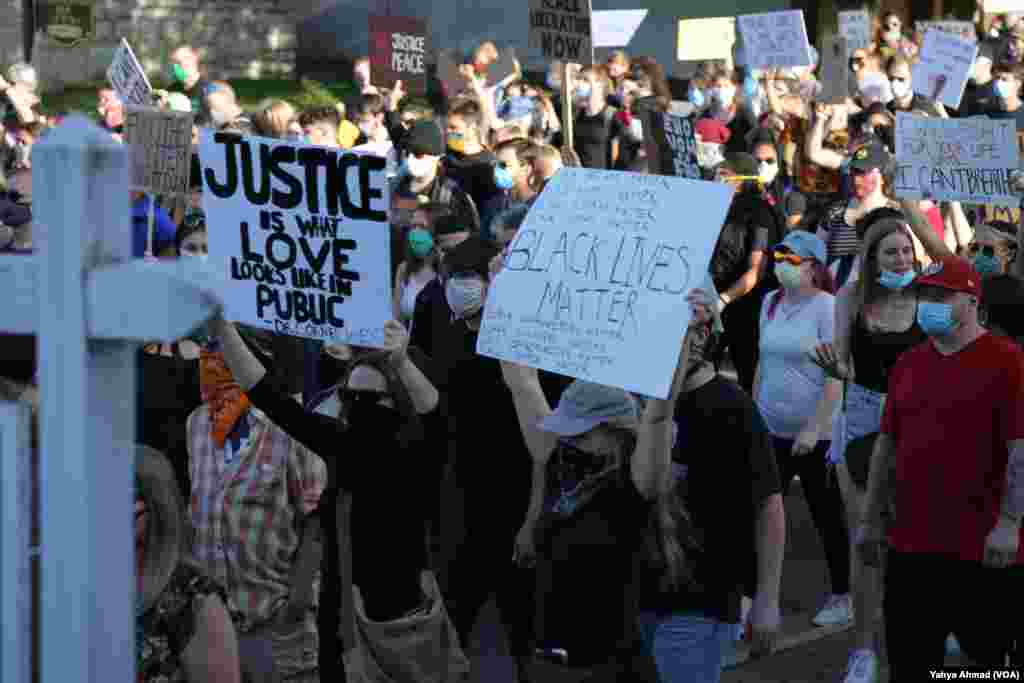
x: 922, y: 229
x: 422, y: 392
x: 531, y: 407
x: 958, y: 229
x: 816, y: 151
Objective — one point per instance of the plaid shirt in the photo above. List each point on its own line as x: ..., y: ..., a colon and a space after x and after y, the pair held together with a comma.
x: 246, y: 508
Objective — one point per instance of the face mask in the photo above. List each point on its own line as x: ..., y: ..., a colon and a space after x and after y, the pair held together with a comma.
x: 178, y: 72
x: 723, y: 96
x: 895, y: 281
x: 894, y: 36
x: 768, y: 172
x: 900, y: 89
x: 1003, y: 90
x: 502, y: 178
x: 790, y: 276
x: 418, y: 168
x: 372, y: 415
x: 987, y: 265
x: 219, y: 118
x: 935, y: 319
x: 636, y: 128
x: 583, y: 92
x: 457, y: 142
x: 749, y: 86
x: 465, y: 296
x: 696, y: 97
x: 553, y: 82
x: 421, y: 242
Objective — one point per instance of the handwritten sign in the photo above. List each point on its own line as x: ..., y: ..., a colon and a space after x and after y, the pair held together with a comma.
x: 1001, y: 6
x: 616, y: 27
x: 960, y: 29
x: 966, y: 160
x: 159, y: 150
x: 128, y: 77
x: 855, y: 26
x: 671, y: 145
x: 302, y: 237
x: 946, y: 61
x: 398, y: 52
x: 561, y: 30
x: 595, y: 281
x: 16, y: 543
x: 835, y: 71
x: 701, y: 39
x: 775, y: 39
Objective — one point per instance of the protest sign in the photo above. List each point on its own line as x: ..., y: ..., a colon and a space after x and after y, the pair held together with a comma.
x: 302, y: 237
x: 942, y: 71
x: 968, y: 160
x: 159, y: 150
x: 398, y: 52
x: 128, y: 78
x: 960, y: 29
x: 671, y: 145
x: 594, y: 283
x: 855, y: 26
x: 616, y: 27
x: 835, y: 71
x: 1001, y: 6
x: 701, y: 39
x: 561, y: 30
x: 774, y: 39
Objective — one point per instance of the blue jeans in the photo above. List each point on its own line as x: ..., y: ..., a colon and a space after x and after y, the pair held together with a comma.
x: 687, y: 646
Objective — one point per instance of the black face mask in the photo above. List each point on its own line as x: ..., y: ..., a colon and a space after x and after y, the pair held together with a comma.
x: 363, y: 411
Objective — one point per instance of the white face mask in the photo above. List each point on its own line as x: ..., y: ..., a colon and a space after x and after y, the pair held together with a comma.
x: 636, y: 128
x: 421, y: 167
x: 465, y: 296
x: 723, y: 96
x: 768, y: 172
x: 219, y: 118
x: 900, y: 89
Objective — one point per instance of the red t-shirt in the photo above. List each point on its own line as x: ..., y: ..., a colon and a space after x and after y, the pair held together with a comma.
x: 951, y: 418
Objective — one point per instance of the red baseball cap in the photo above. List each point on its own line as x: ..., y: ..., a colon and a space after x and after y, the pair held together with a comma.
x: 954, y: 274
x: 713, y: 131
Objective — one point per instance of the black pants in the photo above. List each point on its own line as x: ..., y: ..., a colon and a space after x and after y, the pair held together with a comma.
x: 927, y: 597
x: 821, y: 490
x: 740, y: 320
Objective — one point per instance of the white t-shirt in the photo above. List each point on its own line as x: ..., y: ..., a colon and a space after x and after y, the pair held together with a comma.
x: 790, y: 384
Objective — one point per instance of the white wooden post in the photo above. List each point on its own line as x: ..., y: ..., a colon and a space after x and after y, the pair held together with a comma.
x: 92, y: 306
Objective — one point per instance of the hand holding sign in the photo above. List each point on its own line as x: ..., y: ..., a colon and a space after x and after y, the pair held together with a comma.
x: 396, y: 341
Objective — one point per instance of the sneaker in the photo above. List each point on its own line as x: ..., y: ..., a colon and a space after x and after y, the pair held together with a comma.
x: 837, y: 610
x: 952, y: 646
x: 741, y: 628
x: 862, y: 667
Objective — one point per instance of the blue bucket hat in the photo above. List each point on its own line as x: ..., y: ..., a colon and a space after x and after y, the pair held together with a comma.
x: 805, y: 245
x: 585, y: 405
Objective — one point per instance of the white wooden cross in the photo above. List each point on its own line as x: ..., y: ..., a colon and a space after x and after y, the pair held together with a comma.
x: 90, y: 306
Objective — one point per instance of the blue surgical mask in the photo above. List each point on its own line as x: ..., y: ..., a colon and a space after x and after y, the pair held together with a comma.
x: 935, y: 319
x: 696, y: 97
x: 502, y: 178
x: 583, y: 91
x: 749, y: 87
x: 891, y: 280
x: 986, y: 265
x: 1003, y: 89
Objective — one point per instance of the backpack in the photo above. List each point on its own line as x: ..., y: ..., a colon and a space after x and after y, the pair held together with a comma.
x: 731, y: 256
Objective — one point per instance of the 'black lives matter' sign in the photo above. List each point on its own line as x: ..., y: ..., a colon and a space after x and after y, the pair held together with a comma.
x: 398, y: 52
x: 561, y: 29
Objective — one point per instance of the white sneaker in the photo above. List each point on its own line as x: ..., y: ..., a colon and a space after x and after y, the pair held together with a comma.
x: 862, y: 667
x: 837, y: 610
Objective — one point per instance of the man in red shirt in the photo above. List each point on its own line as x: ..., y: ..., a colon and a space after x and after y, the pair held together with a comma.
x: 950, y: 455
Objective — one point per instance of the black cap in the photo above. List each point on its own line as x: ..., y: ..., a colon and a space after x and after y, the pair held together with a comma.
x: 425, y: 138
x: 473, y: 255
x: 870, y: 156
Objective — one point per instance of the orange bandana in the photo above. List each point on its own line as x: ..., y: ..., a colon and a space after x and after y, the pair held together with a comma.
x: 219, y: 390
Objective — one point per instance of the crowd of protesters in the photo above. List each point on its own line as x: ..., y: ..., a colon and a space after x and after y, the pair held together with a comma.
x: 290, y: 526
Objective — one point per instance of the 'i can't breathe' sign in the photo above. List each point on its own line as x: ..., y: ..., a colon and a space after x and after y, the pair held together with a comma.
x: 299, y: 237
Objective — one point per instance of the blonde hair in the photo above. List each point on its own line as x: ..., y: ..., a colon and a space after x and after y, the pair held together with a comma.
x: 273, y: 118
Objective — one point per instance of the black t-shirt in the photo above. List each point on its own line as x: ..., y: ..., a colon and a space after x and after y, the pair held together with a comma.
x: 978, y: 100
x: 474, y: 173
x: 593, y: 138
x: 752, y: 224
x: 730, y: 466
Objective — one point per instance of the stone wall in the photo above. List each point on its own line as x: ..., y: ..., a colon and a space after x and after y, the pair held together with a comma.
x: 239, y: 38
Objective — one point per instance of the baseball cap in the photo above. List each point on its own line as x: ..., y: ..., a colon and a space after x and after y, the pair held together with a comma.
x: 870, y: 156
x: 805, y: 245
x: 424, y: 138
x: 713, y: 131
x: 585, y: 405
x: 954, y: 274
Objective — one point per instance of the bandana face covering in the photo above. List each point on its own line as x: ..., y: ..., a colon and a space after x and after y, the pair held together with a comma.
x: 219, y: 390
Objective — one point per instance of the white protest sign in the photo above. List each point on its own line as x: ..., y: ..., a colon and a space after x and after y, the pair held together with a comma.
x: 855, y: 26
x: 159, y: 150
x: 616, y: 27
x: 774, y: 39
x: 1001, y: 6
x: 16, y: 582
x: 595, y: 281
x: 961, y: 29
x: 968, y: 160
x: 128, y: 77
x: 942, y: 71
x: 835, y: 72
x: 701, y: 39
x: 561, y: 30
x: 301, y: 235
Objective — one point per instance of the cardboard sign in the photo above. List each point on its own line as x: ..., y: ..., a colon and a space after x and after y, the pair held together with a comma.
x: 561, y: 30
x: 159, y: 150
x: 702, y: 39
x: 855, y: 26
x: 835, y: 71
x: 774, y: 39
x: 942, y: 71
x: 962, y: 29
x: 398, y: 52
x: 128, y: 78
x: 671, y: 145
x: 1001, y: 6
x: 594, y: 283
x: 968, y: 160
x: 616, y: 27
x: 302, y: 237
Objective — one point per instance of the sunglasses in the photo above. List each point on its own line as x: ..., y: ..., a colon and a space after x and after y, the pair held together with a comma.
x: 788, y: 257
